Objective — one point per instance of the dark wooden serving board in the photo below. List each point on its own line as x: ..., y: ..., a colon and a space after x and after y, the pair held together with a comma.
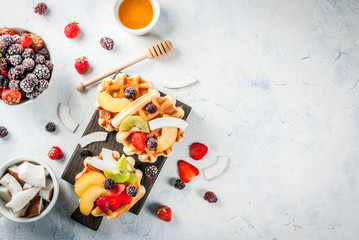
x: 75, y: 165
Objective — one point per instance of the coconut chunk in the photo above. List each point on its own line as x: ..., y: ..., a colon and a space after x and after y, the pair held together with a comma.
x: 101, y: 164
x: 34, y: 207
x: 216, y: 169
x: 5, y: 194
x: 32, y: 174
x: 13, y: 170
x: 21, y: 213
x: 46, y: 173
x: 26, y: 186
x: 67, y: 120
x: 12, y: 185
x: 20, y: 199
x: 46, y: 192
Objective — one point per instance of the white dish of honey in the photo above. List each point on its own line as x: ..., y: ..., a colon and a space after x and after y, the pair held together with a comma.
x: 136, y: 17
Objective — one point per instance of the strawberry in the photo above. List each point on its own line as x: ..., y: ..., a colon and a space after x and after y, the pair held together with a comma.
x: 37, y: 41
x: 164, y: 213
x: 114, y: 202
x: 25, y: 40
x: 198, y: 150
x: 103, y: 204
x: 119, y: 188
x: 6, y: 31
x: 187, y: 171
x: 72, y: 30
x: 138, y: 139
x: 125, y: 199
x: 55, y: 153
x: 4, y: 72
x: 0, y: 91
x: 82, y: 65
x: 10, y: 97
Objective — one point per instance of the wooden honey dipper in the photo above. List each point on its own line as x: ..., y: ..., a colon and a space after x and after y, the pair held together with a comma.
x: 159, y: 49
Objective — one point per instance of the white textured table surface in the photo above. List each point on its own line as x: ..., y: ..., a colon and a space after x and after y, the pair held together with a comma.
x: 277, y: 93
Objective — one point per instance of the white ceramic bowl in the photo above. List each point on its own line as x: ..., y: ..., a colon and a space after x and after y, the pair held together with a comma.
x: 142, y: 31
x: 5, y: 211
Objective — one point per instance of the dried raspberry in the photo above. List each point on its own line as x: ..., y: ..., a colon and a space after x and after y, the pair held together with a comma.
x: 28, y: 53
x: 15, y: 49
x: 107, y: 43
x: 151, y: 171
x: 131, y: 190
x: 27, y: 85
x: 28, y: 64
x: 49, y: 65
x: 15, y: 60
x: 41, y: 71
x: 41, y: 8
x: 50, y: 127
x: 14, y: 85
x: 34, y: 94
x: 42, y: 85
x: 43, y: 51
x: 3, y: 132
x: 210, y: 197
x: 4, y: 81
x: 4, y: 64
x: 39, y: 58
x: 16, y: 38
x: 179, y: 184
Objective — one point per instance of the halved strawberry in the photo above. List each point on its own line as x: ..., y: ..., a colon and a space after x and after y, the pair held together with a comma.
x: 187, y: 171
x: 6, y: 31
x: 138, y: 139
x: 25, y: 40
x: 125, y: 199
x: 117, y: 190
x: 37, y: 41
x: 10, y: 97
x: 198, y: 150
x: 114, y: 202
x: 103, y: 204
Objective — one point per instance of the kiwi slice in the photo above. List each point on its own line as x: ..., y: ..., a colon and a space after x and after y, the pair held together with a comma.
x: 132, y: 178
x: 121, y: 164
x: 116, y: 175
x: 134, y: 123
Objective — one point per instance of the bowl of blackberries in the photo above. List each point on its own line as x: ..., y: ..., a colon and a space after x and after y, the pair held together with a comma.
x: 25, y: 66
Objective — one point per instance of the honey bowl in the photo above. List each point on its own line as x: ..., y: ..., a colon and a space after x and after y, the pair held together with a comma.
x: 136, y: 17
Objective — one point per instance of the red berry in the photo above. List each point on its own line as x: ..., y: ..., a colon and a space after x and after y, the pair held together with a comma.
x: 198, y: 150
x: 4, y: 72
x: 82, y: 65
x: 114, y: 202
x: 138, y: 139
x: 6, y: 31
x: 103, y: 204
x: 10, y: 97
x: 125, y: 199
x: 0, y: 91
x: 187, y: 171
x: 72, y: 30
x: 55, y: 153
x: 37, y: 41
x: 25, y: 40
x: 119, y: 188
x: 164, y: 213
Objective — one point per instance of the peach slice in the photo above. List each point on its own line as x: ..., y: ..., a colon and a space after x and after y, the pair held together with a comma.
x: 167, y: 138
x: 87, y: 180
x: 89, y: 197
x: 112, y: 104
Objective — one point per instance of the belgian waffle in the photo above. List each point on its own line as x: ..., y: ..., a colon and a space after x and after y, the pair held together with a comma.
x: 116, y: 88
x: 165, y: 107
x: 112, y: 215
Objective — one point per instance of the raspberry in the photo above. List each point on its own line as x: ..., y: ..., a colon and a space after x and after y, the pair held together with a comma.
x: 27, y: 85
x: 151, y: 171
x: 28, y: 64
x: 41, y: 8
x: 41, y: 71
x: 39, y: 58
x: 16, y: 38
x: 15, y: 60
x: 179, y: 184
x: 103, y: 204
x: 151, y: 143
x: 49, y: 65
x: 109, y: 184
x: 107, y: 43
x: 130, y: 93
x: 151, y: 108
x: 43, y: 51
x: 15, y: 49
x: 4, y: 81
x: 50, y: 127
x: 3, y: 132
x: 210, y: 197
x: 131, y: 190
x: 85, y: 153
x: 42, y: 85
x: 14, y: 85
x: 34, y: 94
x: 28, y: 53
x: 4, y: 64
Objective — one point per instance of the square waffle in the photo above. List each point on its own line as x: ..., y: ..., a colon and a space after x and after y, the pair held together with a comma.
x: 116, y: 88
x: 165, y: 108
x: 112, y: 215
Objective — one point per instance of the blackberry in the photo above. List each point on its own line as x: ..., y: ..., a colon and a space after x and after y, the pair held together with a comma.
x: 151, y: 108
x: 4, y: 64
x: 109, y: 184
x: 33, y: 78
x: 8, y: 39
x: 39, y: 58
x: 34, y: 94
x: 42, y: 85
x: 27, y: 85
x: 41, y: 71
x: 4, y: 81
x: 210, y: 197
x: 28, y: 64
x: 28, y: 53
x: 107, y: 43
x: 151, y: 143
x: 43, y: 51
x: 15, y: 49
x: 16, y: 38
x: 179, y: 184
x: 151, y: 171
x: 85, y: 153
x: 3, y: 132
x: 50, y: 127
x: 131, y: 190
x: 41, y: 8
x: 12, y: 75
x: 130, y: 93
x: 14, y: 85
x: 19, y: 70
x: 49, y: 65
x: 15, y: 60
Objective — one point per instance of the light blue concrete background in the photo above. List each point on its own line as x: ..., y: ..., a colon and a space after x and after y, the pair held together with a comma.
x: 277, y: 93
